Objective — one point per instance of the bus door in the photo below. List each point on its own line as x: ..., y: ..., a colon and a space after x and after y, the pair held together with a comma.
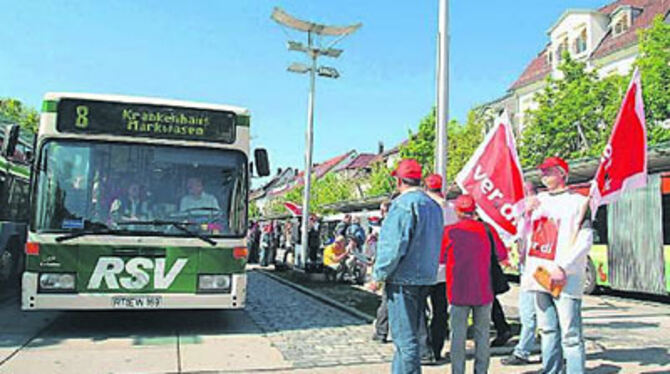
x: 635, y: 251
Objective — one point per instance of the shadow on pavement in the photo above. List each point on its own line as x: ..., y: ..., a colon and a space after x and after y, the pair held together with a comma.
x: 643, y: 356
x: 622, y: 325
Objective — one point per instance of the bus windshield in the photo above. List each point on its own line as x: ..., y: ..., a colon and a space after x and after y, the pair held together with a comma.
x: 140, y: 189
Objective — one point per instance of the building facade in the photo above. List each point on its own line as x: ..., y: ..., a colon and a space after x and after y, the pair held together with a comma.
x: 605, y: 39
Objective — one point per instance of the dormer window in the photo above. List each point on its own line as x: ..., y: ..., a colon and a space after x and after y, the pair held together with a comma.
x: 621, y: 25
x: 622, y: 19
x: 580, y: 43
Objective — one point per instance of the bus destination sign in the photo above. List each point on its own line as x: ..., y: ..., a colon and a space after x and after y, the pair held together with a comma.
x: 145, y: 120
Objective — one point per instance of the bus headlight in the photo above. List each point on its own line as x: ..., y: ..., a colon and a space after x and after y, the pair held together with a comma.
x: 57, y: 282
x: 214, y: 283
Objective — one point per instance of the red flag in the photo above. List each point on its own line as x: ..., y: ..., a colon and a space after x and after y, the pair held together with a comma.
x: 494, y: 178
x: 295, y: 209
x: 623, y: 165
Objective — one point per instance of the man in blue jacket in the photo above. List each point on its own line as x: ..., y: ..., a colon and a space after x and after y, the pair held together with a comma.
x: 407, y: 261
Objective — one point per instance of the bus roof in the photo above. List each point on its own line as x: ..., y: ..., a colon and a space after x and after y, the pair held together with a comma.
x: 55, y: 96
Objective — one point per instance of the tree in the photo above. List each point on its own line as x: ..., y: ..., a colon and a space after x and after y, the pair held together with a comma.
x: 254, y: 211
x: 421, y: 145
x: 380, y: 180
x: 26, y: 117
x: 574, y: 115
x: 327, y: 190
x: 463, y: 140
x: 653, y: 63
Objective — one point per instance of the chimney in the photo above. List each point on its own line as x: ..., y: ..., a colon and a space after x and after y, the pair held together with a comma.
x: 380, y: 147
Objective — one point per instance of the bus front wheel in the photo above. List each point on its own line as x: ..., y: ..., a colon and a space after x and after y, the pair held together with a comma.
x: 590, y: 284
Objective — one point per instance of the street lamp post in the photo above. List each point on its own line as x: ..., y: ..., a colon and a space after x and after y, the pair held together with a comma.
x: 442, y: 91
x: 312, y: 29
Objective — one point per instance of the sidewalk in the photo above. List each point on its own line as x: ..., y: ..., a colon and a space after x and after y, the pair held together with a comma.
x: 622, y: 336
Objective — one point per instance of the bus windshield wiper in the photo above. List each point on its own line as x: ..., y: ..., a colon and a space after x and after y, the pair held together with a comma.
x: 181, y: 226
x: 96, y: 228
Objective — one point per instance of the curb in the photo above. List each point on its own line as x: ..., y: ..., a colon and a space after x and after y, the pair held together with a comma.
x: 336, y: 304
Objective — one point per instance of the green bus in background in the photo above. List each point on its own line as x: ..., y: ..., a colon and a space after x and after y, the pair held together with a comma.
x: 138, y: 203
x: 15, y: 153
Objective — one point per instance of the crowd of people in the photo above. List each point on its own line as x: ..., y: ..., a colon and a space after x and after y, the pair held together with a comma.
x: 436, y: 264
x: 439, y: 253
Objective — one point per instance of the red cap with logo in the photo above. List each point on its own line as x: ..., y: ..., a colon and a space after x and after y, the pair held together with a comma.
x: 433, y: 182
x: 464, y: 204
x: 408, y: 168
x: 555, y: 161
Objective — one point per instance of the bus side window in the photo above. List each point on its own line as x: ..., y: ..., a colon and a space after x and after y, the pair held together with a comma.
x: 4, y: 194
x: 600, y: 226
x: 18, y: 200
x: 665, y: 201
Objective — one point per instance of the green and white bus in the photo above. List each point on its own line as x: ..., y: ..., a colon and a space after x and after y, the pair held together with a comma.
x: 14, y: 186
x: 138, y: 203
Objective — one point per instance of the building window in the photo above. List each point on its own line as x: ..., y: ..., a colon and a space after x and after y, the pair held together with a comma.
x: 550, y: 57
x: 562, y: 47
x: 580, y: 43
x: 621, y: 25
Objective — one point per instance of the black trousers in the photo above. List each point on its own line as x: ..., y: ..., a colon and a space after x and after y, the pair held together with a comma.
x: 439, y: 324
x: 382, y: 322
x: 498, y: 317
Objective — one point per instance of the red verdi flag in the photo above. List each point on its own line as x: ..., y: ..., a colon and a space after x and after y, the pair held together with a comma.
x: 494, y: 178
x: 294, y: 208
x: 623, y: 164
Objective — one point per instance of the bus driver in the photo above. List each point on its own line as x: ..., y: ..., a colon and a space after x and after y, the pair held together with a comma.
x: 197, y: 198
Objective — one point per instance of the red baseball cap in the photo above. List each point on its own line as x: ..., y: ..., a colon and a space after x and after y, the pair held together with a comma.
x: 433, y: 182
x: 555, y: 161
x: 408, y: 168
x: 464, y: 204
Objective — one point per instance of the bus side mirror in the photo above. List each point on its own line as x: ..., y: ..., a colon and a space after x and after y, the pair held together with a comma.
x: 10, y: 141
x: 262, y: 163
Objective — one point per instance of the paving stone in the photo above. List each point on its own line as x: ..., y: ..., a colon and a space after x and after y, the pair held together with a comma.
x: 308, y: 332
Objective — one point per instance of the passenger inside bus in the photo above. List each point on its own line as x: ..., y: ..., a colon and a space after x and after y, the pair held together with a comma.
x: 131, y: 206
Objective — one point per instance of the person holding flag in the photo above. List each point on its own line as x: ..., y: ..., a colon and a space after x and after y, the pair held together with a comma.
x: 560, y: 240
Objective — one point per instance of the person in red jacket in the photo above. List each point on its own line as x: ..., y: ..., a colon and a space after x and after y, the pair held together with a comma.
x: 467, y: 248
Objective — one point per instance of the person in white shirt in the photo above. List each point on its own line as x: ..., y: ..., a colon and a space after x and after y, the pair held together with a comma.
x: 197, y: 198
x: 560, y: 238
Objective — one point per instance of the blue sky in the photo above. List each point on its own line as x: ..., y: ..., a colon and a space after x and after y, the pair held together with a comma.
x: 230, y: 52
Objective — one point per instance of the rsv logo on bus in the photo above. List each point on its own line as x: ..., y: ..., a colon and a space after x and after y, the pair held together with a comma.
x: 108, y: 269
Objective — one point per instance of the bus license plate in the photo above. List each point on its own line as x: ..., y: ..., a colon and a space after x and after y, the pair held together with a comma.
x: 133, y: 302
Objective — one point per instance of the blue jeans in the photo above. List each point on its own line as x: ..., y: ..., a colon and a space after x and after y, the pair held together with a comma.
x: 458, y: 321
x: 560, y: 322
x: 405, y: 306
x: 528, y: 324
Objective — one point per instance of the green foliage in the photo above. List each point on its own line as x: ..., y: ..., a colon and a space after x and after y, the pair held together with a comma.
x: 574, y: 115
x: 327, y: 190
x: 463, y: 140
x: 254, y: 211
x: 654, y: 64
x: 421, y: 145
x: 380, y: 180
x: 15, y: 111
